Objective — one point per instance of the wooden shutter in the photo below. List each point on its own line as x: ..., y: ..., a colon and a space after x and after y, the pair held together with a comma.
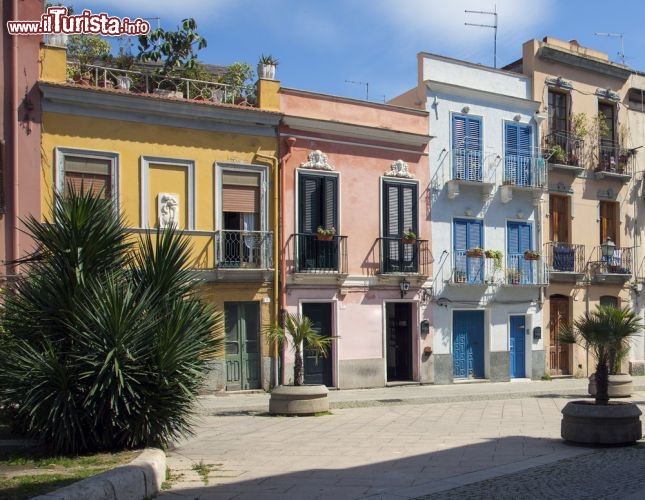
x: 391, y: 210
x: 318, y: 201
x: 241, y: 192
x: 609, y: 221
x: 87, y: 174
x: 460, y: 236
x: 400, y: 206
x: 474, y: 234
x: 559, y: 216
x: 474, y: 134
x: 330, y: 202
x: 459, y: 132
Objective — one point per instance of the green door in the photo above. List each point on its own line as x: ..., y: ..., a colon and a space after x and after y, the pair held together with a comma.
x: 242, y: 320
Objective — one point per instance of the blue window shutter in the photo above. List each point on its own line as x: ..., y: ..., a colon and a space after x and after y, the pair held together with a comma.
x: 474, y: 134
x: 524, y: 237
x: 524, y: 133
x: 474, y: 234
x: 510, y: 148
x: 459, y: 132
x: 513, y: 238
x: 461, y: 235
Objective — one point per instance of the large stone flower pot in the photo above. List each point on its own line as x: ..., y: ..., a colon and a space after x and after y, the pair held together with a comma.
x: 588, y: 423
x: 620, y: 385
x: 299, y: 400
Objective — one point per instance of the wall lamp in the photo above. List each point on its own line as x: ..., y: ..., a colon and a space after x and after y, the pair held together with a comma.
x: 607, y: 248
x: 404, y: 285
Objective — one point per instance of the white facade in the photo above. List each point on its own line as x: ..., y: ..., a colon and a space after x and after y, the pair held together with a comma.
x: 491, y: 103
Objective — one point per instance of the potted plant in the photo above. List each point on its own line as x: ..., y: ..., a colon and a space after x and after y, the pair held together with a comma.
x: 325, y: 234
x: 496, y: 255
x: 557, y: 154
x: 409, y: 236
x: 604, y: 333
x: 514, y: 276
x: 299, y: 399
x: 475, y: 252
x: 531, y: 255
x: 266, y: 67
x: 82, y: 51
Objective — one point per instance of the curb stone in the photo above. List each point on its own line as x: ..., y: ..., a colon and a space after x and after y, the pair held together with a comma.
x: 137, y: 480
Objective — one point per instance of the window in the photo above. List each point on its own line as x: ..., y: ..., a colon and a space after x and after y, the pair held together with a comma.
x: 92, y: 170
x: 636, y: 99
x: 519, y: 241
x: 608, y: 212
x: 607, y: 112
x: 317, y: 207
x: 558, y: 113
x: 467, y: 147
x: 400, y: 213
x: 467, y: 234
x: 517, y: 154
x: 559, y: 218
x: 609, y: 300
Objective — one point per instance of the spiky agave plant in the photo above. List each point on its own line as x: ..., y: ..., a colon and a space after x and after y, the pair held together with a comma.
x: 298, y: 331
x: 105, y: 342
x: 604, y: 332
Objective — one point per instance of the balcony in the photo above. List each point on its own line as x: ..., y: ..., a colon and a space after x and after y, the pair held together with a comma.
x: 565, y: 262
x: 563, y: 152
x: 521, y: 271
x: 399, y: 257
x: 251, y: 250
x: 467, y: 170
x: 614, y: 162
x: 474, y: 270
x: 146, y: 80
x: 320, y: 256
x: 523, y: 173
x: 614, y: 269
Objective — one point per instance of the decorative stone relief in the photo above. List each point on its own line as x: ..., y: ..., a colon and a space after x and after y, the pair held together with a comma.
x: 560, y: 187
x: 608, y: 194
x: 317, y: 160
x: 399, y: 169
x: 168, y: 209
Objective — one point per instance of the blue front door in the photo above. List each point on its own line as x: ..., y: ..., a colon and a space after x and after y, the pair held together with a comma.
x: 468, y: 344
x: 517, y: 345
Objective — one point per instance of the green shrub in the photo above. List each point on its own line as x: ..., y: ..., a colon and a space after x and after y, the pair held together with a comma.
x: 106, y: 343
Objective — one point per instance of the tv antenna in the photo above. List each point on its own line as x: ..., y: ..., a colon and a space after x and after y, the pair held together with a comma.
x: 493, y: 26
x: 367, y: 87
x: 621, y: 52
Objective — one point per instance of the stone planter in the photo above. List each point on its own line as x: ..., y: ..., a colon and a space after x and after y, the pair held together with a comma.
x: 588, y: 423
x: 620, y: 385
x: 299, y: 400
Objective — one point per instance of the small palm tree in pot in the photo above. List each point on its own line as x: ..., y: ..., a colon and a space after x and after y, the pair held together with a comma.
x: 299, y: 399
x: 604, y: 332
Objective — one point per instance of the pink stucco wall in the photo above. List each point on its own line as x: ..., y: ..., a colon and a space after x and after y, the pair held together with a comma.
x: 19, y: 128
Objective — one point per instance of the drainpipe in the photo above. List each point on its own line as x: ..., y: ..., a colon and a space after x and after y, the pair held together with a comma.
x: 15, y: 103
x: 276, y: 227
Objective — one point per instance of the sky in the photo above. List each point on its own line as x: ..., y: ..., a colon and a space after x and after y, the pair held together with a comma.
x: 368, y: 48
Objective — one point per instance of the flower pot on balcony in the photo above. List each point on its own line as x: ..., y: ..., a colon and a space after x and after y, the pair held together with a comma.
x: 408, y: 241
x: 325, y: 237
x: 474, y: 252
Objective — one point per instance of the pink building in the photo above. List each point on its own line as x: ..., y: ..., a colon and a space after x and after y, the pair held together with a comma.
x: 354, y: 180
x: 19, y: 130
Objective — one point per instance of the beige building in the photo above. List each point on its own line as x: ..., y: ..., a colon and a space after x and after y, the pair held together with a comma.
x: 589, y: 140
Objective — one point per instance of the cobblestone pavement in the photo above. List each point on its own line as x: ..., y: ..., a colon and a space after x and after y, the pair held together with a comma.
x: 614, y: 473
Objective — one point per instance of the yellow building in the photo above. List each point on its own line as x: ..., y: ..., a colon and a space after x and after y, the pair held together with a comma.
x: 206, y: 167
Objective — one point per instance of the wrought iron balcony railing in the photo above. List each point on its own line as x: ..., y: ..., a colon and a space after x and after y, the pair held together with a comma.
x: 525, y: 171
x: 621, y: 261
x: 244, y: 249
x: 467, y: 165
x: 565, y: 258
x: 149, y: 82
x: 472, y: 270
x: 562, y: 148
x: 398, y: 256
x: 523, y: 271
x: 322, y: 256
x: 614, y: 159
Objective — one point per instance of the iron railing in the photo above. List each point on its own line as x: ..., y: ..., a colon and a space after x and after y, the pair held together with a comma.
x: 398, y: 256
x: 621, y: 261
x: 470, y: 269
x: 614, y: 159
x: 318, y: 255
x: 524, y: 171
x: 149, y: 82
x: 563, y: 148
x: 244, y: 249
x: 521, y: 270
x: 467, y: 165
x: 565, y: 258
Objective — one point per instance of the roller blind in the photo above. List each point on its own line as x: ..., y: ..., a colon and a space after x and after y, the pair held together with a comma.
x: 241, y: 192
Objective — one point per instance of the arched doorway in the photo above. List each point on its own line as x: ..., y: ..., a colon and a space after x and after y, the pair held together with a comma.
x: 559, y: 353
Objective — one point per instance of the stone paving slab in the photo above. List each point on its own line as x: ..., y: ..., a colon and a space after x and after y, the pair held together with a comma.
x: 392, y: 444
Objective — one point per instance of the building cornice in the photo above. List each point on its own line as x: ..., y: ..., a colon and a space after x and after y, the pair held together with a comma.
x: 489, y: 96
x: 152, y: 110
x: 588, y: 63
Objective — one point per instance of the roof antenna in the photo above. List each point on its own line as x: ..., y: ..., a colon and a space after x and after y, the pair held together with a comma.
x: 621, y: 52
x: 367, y: 87
x: 494, y: 26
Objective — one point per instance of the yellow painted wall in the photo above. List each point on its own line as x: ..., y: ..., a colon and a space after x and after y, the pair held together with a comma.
x: 131, y: 141
x: 54, y: 63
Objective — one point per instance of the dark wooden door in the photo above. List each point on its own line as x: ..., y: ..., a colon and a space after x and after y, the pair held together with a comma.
x: 318, y: 370
x: 558, y: 352
x: 399, y: 341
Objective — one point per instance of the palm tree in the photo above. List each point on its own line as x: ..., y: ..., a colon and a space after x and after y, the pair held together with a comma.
x: 299, y: 331
x: 605, y: 332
